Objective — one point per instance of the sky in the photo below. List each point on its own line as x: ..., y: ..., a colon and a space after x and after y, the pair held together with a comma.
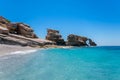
x: 96, y: 19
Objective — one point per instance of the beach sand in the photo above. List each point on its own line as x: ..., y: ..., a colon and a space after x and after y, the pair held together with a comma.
x: 8, y: 49
x: 13, y: 49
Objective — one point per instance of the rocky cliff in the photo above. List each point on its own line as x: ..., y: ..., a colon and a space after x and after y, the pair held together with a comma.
x: 72, y: 40
x: 75, y: 40
x: 19, y: 34
x: 55, y: 36
x: 22, y: 34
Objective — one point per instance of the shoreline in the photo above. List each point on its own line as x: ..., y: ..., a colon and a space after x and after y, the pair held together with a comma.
x: 14, y: 49
x: 6, y: 50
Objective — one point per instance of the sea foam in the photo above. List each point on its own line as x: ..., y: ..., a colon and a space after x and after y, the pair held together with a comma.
x: 23, y: 52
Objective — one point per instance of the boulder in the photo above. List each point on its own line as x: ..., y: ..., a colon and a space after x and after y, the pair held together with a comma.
x: 55, y: 36
x: 75, y: 40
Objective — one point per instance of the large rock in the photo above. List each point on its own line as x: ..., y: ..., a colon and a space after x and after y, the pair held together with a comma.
x: 75, y: 40
x: 92, y: 43
x: 24, y: 30
x: 55, y: 36
x: 19, y: 34
x: 17, y: 28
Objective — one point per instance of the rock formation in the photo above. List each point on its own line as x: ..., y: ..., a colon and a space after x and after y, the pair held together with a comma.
x: 22, y: 34
x: 75, y: 40
x: 16, y: 28
x: 4, y: 25
x: 91, y: 43
x: 19, y: 34
x: 24, y: 30
x: 55, y: 36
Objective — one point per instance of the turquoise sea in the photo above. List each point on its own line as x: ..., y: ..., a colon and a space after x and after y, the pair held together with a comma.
x: 89, y: 63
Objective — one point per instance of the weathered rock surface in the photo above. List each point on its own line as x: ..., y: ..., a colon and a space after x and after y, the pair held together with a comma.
x: 24, y: 30
x: 75, y: 40
x: 22, y: 34
x: 13, y: 39
x: 16, y: 28
x: 19, y: 34
x: 92, y: 43
x: 55, y: 36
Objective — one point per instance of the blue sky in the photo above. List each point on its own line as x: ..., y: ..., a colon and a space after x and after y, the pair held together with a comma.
x: 97, y: 19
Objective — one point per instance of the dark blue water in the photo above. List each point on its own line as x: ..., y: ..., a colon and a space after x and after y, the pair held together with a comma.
x: 94, y: 63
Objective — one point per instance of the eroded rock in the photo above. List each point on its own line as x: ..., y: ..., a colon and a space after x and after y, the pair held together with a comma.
x: 92, y: 43
x: 75, y: 40
x: 55, y: 36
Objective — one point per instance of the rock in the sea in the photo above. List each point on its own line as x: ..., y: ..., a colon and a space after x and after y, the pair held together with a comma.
x: 55, y: 36
x: 75, y: 40
x: 92, y: 43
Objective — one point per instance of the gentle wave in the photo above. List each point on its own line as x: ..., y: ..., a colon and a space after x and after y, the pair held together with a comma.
x: 24, y: 52
x: 17, y: 53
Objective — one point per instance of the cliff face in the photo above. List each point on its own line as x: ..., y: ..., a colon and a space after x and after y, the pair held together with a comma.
x: 72, y: 40
x: 92, y: 43
x: 16, y: 28
x: 19, y: 34
x: 22, y: 34
x: 75, y: 40
x: 55, y: 36
x: 24, y: 30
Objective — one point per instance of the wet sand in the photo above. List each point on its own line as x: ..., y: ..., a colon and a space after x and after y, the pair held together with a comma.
x: 8, y: 49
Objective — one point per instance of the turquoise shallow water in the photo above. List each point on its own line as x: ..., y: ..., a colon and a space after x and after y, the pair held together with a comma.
x: 94, y: 63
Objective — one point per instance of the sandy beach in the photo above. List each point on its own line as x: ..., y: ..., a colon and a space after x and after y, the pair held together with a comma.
x: 8, y: 49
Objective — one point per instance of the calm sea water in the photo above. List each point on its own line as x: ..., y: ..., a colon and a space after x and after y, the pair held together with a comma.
x: 94, y: 63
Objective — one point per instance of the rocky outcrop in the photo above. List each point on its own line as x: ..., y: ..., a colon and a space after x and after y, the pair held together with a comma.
x: 22, y: 34
x: 75, y: 40
x: 92, y: 43
x: 24, y: 30
x: 19, y: 34
x: 17, y: 28
x: 13, y: 39
x: 55, y: 36
x: 4, y: 23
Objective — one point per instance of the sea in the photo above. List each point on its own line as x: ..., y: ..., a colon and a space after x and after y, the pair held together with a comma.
x: 84, y: 63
